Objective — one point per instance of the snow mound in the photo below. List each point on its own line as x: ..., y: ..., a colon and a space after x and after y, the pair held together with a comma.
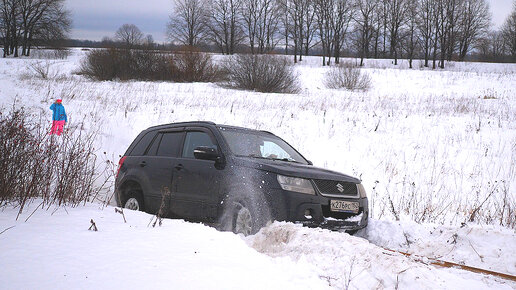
x: 349, y: 262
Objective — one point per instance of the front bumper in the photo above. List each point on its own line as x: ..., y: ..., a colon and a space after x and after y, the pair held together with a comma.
x: 296, y: 206
x: 337, y: 225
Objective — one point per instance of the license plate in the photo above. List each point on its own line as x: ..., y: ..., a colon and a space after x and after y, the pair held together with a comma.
x: 344, y: 206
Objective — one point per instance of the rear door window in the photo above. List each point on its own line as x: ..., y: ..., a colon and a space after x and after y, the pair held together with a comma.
x: 194, y: 140
x: 170, y: 144
x: 154, y: 147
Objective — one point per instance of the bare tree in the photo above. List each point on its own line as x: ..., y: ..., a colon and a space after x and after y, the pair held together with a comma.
x: 293, y: 11
x: 107, y: 42
x: 379, y: 27
x: 324, y: 11
x: 300, y: 25
x: 148, y: 42
x: 342, y: 19
x: 454, y: 11
x: 446, y: 19
x: 24, y: 21
x: 225, y: 25
x: 268, y: 27
x: 53, y: 26
x: 309, y: 20
x: 262, y: 19
x: 364, y: 23
x: 411, y: 37
x: 474, y: 24
x: 509, y: 32
x: 251, y: 15
x: 129, y: 35
x: 333, y: 20
x: 491, y: 47
x: 10, y: 26
x: 497, y: 46
x: 426, y: 26
x: 396, y: 17
x: 188, y: 21
x: 437, y: 29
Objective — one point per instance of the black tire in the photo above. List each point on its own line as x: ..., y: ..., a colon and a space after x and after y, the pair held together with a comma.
x: 241, y: 216
x: 133, y: 199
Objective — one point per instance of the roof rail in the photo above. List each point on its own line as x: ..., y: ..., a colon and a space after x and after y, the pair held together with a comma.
x: 183, y: 123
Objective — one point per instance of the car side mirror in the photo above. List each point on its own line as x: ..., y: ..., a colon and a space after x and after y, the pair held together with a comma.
x: 206, y: 153
x: 309, y: 162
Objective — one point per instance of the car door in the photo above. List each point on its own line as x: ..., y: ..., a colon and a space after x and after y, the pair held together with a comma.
x: 159, y: 163
x: 197, y: 181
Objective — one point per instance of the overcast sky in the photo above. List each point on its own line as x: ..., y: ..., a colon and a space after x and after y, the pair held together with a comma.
x: 94, y: 19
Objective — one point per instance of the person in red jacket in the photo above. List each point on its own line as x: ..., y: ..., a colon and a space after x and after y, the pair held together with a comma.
x: 59, y: 118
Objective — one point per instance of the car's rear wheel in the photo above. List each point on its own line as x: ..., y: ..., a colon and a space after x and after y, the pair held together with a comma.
x: 134, y: 200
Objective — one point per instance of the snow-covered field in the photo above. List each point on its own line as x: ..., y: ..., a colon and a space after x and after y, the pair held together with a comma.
x: 430, y: 146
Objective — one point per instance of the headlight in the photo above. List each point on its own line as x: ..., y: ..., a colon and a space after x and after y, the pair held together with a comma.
x: 361, y: 191
x: 296, y: 184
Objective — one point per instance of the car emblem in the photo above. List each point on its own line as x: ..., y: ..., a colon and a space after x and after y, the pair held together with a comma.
x: 340, y: 187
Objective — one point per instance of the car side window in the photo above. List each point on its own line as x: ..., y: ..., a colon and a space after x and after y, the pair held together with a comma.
x: 154, y: 147
x: 170, y: 144
x: 139, y: 149
x: 194, y: 140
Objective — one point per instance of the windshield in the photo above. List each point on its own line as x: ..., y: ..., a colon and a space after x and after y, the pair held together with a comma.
x: 259, y: 145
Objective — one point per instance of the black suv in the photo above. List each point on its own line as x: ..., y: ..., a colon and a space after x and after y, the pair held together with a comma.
x: 235, y: 178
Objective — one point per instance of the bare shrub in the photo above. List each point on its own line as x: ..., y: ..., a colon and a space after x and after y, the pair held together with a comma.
x: 348, y: 76
x: 44, y: 70
x: 195, y: 66
x: 100, y: 64
x: 145, y: 64
x: 61, y: 53
x: 58, y: 53
x: 59, y: 171
x: 41, y: 69
x: 262, y: 73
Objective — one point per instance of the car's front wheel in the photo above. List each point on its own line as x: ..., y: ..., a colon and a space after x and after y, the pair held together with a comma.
x: 244, y: 216
x: 242, y: 220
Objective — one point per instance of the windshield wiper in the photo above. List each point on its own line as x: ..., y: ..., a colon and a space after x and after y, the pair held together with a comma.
x: 269, y: 158
x: 285, y: 159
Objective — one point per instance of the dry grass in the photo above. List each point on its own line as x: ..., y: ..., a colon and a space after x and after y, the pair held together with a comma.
x: 56, y: 170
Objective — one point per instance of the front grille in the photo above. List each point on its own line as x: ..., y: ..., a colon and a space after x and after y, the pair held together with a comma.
x: 336, y: 188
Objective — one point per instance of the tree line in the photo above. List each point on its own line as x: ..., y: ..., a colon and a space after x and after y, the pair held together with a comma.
x: 434, y: 30
x: 24, y: 23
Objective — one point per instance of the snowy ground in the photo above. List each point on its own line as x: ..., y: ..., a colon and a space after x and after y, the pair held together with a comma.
x: 444, y: 142
x: 55, y: 250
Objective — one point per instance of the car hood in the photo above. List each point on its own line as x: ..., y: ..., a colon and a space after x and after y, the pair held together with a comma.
x: 293, y: 169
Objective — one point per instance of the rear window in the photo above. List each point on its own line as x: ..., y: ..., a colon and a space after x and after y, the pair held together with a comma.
x: 144, y: 142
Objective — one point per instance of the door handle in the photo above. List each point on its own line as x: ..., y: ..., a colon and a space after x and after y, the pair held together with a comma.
x: 143, y: 163
x: 179, y: 167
